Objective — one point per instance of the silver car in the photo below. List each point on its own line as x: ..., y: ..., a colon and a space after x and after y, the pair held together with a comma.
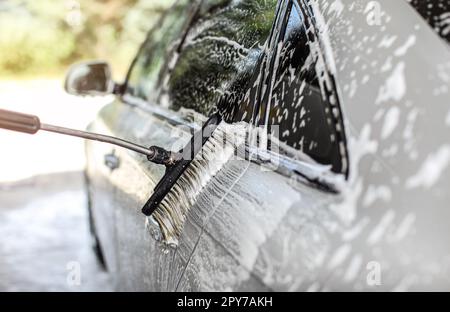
x: 350, y: 189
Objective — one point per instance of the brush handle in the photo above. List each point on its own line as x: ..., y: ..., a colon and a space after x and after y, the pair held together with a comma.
x: 19, y: 122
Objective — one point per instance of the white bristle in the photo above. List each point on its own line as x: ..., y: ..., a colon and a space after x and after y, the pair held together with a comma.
x: 173, y: 210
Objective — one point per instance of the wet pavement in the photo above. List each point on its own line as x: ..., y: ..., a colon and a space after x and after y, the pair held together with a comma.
x: 45, y: 242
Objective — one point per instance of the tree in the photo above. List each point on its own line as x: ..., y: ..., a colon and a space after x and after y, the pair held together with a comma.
x: 45, y: 36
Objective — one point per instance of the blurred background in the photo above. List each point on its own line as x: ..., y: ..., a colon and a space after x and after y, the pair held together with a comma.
x: 44, y: 234
x: 41, y: 38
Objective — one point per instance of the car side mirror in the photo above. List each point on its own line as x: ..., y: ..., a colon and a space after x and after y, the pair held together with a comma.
x: 90, y: 78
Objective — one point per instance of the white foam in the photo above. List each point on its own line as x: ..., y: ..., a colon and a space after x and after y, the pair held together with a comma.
x: 339, y: 256
x: 405, y: 227
x: 431, y: 170
x: 353, y: 268
x: 390, y: 122
x: 395, y: 86
x: 376, y: 193
x: 380, y: 230
x: 172, y: 212
x: 410, y: 42
x: 358, y: 149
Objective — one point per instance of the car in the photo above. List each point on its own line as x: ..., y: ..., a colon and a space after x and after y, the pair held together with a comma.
x: 346, y: 186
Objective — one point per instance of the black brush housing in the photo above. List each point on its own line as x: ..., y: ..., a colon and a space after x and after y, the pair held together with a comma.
x: 174, y: 171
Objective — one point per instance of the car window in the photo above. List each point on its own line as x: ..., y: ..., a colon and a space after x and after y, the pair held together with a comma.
x: 302, y: 109
x: 215, y: 67
x: 159, y: 45
x: 436, y: 13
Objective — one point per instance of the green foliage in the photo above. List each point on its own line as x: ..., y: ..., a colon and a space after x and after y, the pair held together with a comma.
x: 44, y: 37
x: 29, y: 43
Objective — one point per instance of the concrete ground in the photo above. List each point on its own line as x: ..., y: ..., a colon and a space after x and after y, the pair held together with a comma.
x: 44, y: 238
x: 45, y: 243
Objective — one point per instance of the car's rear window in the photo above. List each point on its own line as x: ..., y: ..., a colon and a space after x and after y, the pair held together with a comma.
x: 436, y: 13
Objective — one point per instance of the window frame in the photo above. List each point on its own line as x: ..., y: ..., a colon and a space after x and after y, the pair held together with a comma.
x: 304, y: 8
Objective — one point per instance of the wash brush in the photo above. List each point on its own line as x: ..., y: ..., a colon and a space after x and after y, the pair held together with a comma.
x: 175, y: 192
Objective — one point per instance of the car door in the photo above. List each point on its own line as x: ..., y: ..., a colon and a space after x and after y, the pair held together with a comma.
x: 265, y: 221
x: 239, y: 231
x: 167, y: 97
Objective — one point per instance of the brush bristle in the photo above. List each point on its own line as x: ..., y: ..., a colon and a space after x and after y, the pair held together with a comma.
x: 216, y: 152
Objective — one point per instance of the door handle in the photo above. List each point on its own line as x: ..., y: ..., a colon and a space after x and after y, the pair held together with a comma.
x: 112, y: 161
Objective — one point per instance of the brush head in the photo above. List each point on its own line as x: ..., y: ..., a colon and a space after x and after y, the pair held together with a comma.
x: 173, y: 210
x: 174, y: 171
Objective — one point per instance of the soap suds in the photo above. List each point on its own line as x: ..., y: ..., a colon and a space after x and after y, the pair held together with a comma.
x: 405, y: 227
x: 220, y: 147
x: 390, y: 122
x: 395, y: 86
x: 377, y: 233
x: 353, y: 268
x: 339, y: 256
x: 358, y: 149
x: 431, y: 170
x: 408, y: 44
x: 377, y: 193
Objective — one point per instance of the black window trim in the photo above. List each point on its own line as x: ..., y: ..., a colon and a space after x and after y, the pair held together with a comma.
x: 305, y: 9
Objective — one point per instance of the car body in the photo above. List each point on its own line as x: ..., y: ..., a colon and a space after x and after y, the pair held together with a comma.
x: 354, y: 198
